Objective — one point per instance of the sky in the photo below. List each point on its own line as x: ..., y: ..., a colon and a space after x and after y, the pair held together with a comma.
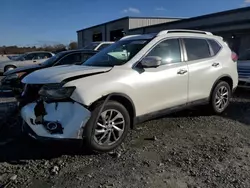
x: 39, y: 22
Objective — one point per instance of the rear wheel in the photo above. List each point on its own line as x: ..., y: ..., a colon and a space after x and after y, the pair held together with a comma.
x: 105, y: 131
x: 221, y: 97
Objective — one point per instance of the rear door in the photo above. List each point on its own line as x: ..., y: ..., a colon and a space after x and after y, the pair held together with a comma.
x: 204, y: 68
x: 29, y: 59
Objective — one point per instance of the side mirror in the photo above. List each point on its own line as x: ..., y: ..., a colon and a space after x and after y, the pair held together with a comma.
x: 151, y: 61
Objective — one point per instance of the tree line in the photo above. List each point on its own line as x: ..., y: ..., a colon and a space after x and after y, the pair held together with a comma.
x: 51, y: 48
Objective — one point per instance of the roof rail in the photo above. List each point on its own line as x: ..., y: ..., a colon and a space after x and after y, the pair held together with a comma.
x: 129, y: 36
x: 183, y: 31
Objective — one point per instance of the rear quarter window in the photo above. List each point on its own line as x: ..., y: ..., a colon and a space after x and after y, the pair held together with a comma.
x: 216, y: 47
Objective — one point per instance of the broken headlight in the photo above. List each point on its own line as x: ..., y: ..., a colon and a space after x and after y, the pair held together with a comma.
x: 56, y: 92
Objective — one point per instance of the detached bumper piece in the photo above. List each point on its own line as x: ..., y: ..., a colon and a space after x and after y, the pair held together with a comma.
x: 57, y: 120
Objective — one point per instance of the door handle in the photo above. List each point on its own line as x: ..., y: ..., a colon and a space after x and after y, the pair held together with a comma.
x: 34, y: 61
x: 182, y: 71
x: 215, y: 64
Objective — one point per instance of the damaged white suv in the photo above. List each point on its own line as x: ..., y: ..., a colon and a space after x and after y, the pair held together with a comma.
x: 135, y: 79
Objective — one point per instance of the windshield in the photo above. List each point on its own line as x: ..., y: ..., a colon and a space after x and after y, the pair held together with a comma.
x: 117, y: 54
x: 53, y: 59
x: 91, y: 46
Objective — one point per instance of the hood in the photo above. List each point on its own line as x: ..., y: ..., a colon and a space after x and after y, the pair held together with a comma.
x: 59, y: 73
x: 24, y: 69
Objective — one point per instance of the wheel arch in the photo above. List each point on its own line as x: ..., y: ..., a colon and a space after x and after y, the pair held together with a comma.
x: 10, y: 65
x: 122, y: 98
x: 226, y: 78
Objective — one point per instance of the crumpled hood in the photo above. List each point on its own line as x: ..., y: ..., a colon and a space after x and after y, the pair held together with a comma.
x: 24, y: 69
x: 59, y: 73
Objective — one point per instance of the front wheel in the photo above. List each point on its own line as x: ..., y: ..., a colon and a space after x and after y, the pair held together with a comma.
x: 221, y: 97
x: 8, y: 68
x: 105, y: 131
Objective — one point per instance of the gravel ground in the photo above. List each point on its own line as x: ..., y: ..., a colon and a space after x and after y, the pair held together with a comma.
x: 184, y: 150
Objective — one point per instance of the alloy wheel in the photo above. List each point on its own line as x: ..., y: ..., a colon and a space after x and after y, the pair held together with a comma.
x: 222, y: 98
x: 110, y: 127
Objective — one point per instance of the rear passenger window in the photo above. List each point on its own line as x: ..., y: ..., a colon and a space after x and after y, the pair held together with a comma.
x: 70, y: 59
x: 196, y: 49
x: 43, y: 55
x: 49, y: 55
x: 215, y: 46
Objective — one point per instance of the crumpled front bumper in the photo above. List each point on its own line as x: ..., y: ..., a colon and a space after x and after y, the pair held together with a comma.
x: 70, y: 117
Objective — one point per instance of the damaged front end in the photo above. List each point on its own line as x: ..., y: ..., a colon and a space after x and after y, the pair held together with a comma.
x: 50, y: 113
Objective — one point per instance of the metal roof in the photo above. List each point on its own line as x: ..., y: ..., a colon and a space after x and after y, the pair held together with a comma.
x: 245, y: 9
x: 129, y: 17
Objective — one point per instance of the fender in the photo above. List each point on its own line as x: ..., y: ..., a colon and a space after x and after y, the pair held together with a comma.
x: 116, y: 94
x: 216, y: 82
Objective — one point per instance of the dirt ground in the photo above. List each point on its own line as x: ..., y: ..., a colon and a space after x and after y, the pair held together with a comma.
x: 189, y: 149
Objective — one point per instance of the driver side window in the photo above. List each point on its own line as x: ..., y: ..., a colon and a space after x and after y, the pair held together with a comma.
x: 29, y: 56
x: 168, y: 50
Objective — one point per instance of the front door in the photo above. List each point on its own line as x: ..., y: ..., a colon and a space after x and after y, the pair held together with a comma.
x: 167, y: 85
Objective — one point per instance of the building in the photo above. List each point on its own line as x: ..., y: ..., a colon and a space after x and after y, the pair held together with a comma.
x: 114, y: 30
x: 232, y: 25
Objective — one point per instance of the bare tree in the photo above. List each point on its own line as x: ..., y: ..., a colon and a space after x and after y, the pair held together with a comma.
x: 72, y: 45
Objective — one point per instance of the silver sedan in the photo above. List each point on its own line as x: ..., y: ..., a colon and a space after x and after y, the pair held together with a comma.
x: 29, y: 58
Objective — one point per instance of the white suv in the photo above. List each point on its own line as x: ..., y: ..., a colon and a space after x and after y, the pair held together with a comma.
x: 135, y: 79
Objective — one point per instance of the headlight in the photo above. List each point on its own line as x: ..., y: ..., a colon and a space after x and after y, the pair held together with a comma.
x: 56, y: 92
x: 14, y: 76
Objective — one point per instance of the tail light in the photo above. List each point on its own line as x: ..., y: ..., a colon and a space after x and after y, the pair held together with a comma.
x: 234, y: 56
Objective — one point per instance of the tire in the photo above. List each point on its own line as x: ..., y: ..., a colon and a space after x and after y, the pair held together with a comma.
x: 220, y: 90
x: 91, y: 126
x: 10, y: 67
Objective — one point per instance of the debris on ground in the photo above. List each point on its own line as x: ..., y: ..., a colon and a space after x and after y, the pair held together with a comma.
x: 189, y: 150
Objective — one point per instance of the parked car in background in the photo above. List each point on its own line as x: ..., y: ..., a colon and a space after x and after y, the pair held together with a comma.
x: 12, y: 79
x: 98, y: 46
x: 103, y: 98
x: 29, y: 58
x: 3, y: 58
x: 13, y: 56
x: 244, y: 69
